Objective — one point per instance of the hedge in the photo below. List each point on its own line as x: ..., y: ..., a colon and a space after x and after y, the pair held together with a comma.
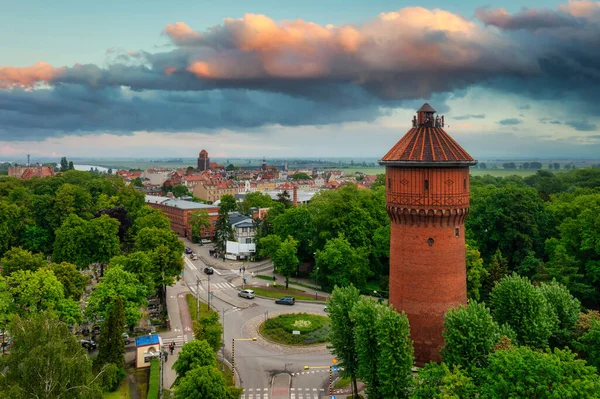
x: 154, y: 382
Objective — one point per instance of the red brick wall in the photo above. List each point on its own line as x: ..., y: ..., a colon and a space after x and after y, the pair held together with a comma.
x: 427, y: 277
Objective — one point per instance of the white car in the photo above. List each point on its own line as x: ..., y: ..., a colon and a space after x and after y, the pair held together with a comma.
x: 249, y: 294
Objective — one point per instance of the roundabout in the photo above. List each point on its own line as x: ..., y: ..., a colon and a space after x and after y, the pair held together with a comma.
x: 297, y: 329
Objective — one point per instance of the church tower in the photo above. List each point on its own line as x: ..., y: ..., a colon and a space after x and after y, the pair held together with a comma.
x: 427, y: 200
x: 203, y: 160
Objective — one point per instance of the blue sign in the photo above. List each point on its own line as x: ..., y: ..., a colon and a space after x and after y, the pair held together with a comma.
x: 331, y: 396
x: 334, y: 368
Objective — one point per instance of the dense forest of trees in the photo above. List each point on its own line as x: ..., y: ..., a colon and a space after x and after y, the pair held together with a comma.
x: 55, y: 233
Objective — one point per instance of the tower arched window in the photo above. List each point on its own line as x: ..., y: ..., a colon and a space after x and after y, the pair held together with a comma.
x: 426, y: 184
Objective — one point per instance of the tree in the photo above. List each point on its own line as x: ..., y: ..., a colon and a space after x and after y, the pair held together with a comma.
x: 438, y: 381
x: 255, y: 200
x: 565, y: 269
x: 64, y: 164
x: 139, y: 263
x: 46, y: 361
x: 40, y: 291
x: 223, y: 230
x: 117, y: 282
x: 284, y: 198
x: 516, y: 302
x: 525, y: 373
x: 341, y: 264
x: 202, y: 383
x: 298, y: 223
x: 18, y: 258
x: 180, y: 191
x: 109, y: 171
x: 341, y: 331
x: 589, y: 343
x: 395, y: 353
x: 269, y: 246
x: 364, y: 315
x: 231, y: 167
x: 285, y: 259
x: 120, y: 214
x: 209, y: 329
x: 566, y: 308
x: 137, y: 182
x: 150, y: 217
x: 300, y: 176
x: 470, y: 334
x: 476, y: 273
x: 165, y: 249
x: 497, y: 270
x: 199, y: 220
x: 111, y: 344
x: 72, y: 280
x: 228, y: 203
x: 196, y: 353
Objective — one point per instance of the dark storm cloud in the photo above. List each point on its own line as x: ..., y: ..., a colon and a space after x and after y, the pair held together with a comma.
x: 253, y: 71
x: 582, y: 125
x: 510, y: 121
x: 470, y: 116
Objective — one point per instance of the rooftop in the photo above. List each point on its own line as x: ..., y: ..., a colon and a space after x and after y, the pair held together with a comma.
x: 146, y: 340
x: 178, y: 203
x: 427, y: 144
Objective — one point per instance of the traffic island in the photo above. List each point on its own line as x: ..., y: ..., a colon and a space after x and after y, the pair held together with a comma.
x: 296, y: 329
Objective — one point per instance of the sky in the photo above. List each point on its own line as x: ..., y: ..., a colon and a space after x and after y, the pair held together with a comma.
x: 323, y: 78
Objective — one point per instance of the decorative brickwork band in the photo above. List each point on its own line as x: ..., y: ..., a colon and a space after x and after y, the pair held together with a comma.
x: 426, y: 217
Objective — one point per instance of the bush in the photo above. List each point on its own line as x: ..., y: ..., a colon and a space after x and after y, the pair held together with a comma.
x: 112, y: 375
x: 154, y: 381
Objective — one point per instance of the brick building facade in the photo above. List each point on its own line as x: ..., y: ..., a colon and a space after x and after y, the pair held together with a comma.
x: 178, y: 211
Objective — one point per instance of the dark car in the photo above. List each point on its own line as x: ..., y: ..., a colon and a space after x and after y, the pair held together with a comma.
x: 286, y: 300
x: 188, y: 250
x: 89, y: 344
x: 208, y: 270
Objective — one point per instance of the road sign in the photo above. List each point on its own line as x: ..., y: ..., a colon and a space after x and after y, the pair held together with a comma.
x: 334, y: 360
x: 331, y: 396
x: 334, y: 368
x: 295, y: 332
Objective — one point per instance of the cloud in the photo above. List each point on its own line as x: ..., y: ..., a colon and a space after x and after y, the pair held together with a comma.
x: 582, y: 125
x: 551, y: 121
x: 470, y: 116
x: 253, y: 71
x: 510, y: 121
x: 524, y: 106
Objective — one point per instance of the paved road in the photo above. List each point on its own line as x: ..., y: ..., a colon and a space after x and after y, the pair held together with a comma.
x: 257, y: 363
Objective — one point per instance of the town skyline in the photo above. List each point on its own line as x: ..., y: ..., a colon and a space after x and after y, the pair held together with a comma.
x: 304, y: 81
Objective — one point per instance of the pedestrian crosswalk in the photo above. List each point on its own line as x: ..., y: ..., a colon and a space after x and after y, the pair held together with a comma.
x: 179, y: 341
x: 214, y: 287
x: 295, y: 393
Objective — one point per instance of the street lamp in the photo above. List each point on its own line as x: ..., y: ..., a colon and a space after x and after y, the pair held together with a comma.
x: 233, y: 356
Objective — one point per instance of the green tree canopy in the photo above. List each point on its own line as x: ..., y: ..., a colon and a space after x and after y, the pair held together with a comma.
x: 199, y: 220
x: 516, y: 302
x: 180, y: 191
x: 269, y: 245
x: 340, y: 263
x: 438, y: 381
x: 111, y: 343
x: 209, y: 329
x: 565, y: 307
x: 341, y: 331
x: 72, y: 280
x: 470, y: 334
x: 297, y: 223
x: 300, y: 176
x: 476, y: 273
x: 117, y: 282
x: 285, y: 259
x: 202, y: 383
x: 526, y: 373
x: 228, y: 203
x: 46, y: 361
x: 18, y: 258
x: 196, y: 353
x: 150, y: 217
x: 255, y: 200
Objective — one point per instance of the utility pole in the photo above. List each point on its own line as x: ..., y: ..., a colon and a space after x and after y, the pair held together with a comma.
x: 208, y: 300
x: 197, y: 298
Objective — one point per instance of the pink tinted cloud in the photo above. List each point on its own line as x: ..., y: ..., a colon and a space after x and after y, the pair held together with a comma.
x: 28, y: 76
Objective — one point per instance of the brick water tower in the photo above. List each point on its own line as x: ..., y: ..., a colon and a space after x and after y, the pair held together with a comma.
x: 427, y: 184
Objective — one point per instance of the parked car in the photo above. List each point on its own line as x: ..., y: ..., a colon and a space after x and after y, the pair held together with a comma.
x: 188, y: 250
x: 205, y: 241
x: 89, y: 344
x: 194, y: 257
x: 126, y: 338
x: 208, y: 270
x: 246, y: 294
x: 286, y: 300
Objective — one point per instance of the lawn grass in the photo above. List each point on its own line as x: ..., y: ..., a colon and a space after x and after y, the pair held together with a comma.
x: 263, y: 277
x: 121, y: 393
x: 342, y: 382
x: 310, y: 287
x: 313, y: 329
x: 277, y: 294
x: 204, y: 310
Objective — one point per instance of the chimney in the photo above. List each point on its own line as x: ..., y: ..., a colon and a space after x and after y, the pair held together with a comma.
x: 295, y: 196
